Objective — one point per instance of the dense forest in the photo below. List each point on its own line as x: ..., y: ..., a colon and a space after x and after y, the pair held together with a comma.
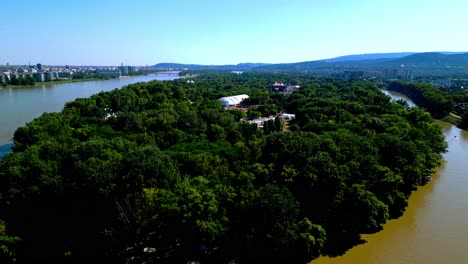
x: 160, y: 172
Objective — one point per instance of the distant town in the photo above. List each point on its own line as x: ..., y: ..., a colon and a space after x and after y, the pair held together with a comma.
x: 37, y: 73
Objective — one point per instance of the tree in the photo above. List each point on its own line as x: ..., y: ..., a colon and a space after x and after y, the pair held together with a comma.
x: 30, y: 81
x: 464, y: 122
x: 279, y: 124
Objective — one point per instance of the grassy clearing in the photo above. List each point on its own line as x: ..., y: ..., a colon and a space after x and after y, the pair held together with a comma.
x: 452, y: 119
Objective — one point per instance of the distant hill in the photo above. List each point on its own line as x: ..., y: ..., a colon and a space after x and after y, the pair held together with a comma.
x: 418, y: 63
x: 377, y: 56
x: 234, y: 67
x: 370, y: 56
x: 427, y: 63
x: 434, y: 58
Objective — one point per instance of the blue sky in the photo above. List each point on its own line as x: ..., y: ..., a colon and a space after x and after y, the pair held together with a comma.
x: 140, y: 32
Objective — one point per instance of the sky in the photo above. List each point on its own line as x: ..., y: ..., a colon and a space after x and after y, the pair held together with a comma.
x: 216, y: 32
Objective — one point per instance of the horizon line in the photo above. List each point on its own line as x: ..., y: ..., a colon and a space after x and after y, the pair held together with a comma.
x: 234, y: 64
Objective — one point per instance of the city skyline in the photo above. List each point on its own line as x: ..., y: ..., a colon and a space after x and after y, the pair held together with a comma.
x: 212, y: 32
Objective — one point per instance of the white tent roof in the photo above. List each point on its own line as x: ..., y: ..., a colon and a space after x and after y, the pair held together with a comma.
x: 233, y: 100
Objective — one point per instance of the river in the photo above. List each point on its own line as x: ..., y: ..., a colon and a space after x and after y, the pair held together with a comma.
x: 433, y: 228
x: 21, y: 105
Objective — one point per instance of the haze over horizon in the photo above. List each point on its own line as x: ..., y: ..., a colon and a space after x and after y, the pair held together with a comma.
x: 212, y: 32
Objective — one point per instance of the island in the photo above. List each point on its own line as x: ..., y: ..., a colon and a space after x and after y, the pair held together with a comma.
x: 167, y: 172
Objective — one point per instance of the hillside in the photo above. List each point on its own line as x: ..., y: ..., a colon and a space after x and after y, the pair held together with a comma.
x: 370, y: 56
x: 419, y: 63
x: 233, y: 67
x: 429, y: 63
x: 435, y: 59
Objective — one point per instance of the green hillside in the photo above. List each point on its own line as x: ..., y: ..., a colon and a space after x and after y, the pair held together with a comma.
x: 430, y: 63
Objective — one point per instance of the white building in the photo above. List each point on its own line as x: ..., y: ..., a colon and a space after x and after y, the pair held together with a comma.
x: 286, y: 116
x: 233, y: 100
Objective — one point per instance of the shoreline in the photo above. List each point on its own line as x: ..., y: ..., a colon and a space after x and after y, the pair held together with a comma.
x: 453, y: 119
x: 40, y: 84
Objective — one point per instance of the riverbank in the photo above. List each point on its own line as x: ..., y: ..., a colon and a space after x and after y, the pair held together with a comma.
x: 417, y: 236
x: 22, y: 105
x: 453, y: 119
x: 40, y: 84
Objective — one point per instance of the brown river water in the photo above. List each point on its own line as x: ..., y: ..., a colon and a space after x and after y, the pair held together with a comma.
x: 434, y: 227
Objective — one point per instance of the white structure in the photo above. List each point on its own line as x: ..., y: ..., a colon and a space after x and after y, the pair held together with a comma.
x: 233, y: 100
x: 261, y: 121
x: 286, y: 116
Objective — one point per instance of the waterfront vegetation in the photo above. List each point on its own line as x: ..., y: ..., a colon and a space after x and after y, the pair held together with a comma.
x: 159, y: 172
x: 40, y: 84
x: 77, y: 77
x: 440, y: 104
